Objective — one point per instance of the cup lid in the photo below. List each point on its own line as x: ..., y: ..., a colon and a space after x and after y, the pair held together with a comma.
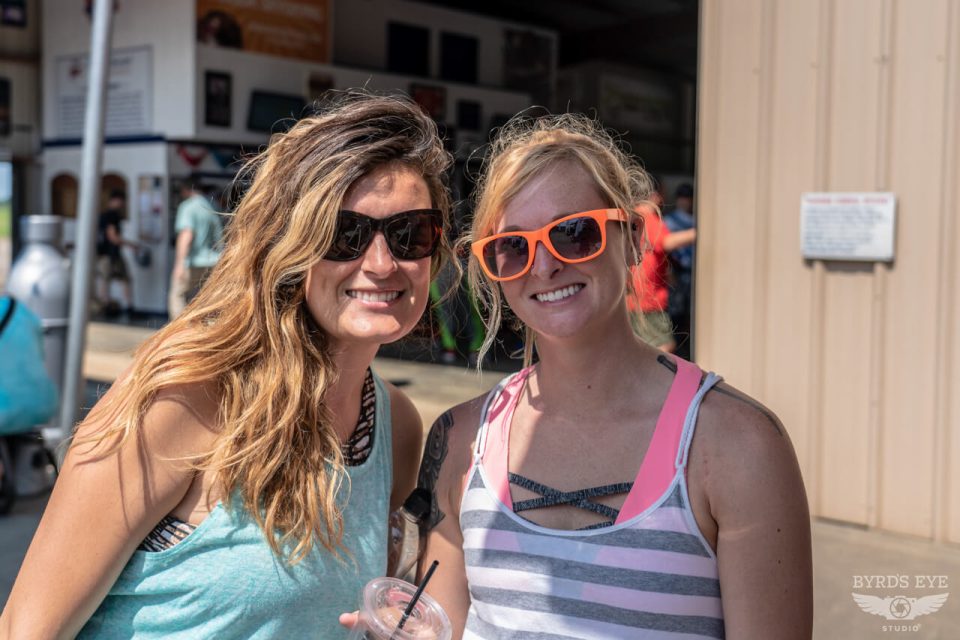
x: 385, y: 600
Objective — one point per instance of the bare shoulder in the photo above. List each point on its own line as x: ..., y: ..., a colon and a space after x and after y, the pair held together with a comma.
x: 731, y: 418
x: 403, y: 413
x: 180, y: 421
x: 743, y: 442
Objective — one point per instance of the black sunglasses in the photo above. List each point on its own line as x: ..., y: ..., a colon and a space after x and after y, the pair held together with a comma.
x: 410, y: 235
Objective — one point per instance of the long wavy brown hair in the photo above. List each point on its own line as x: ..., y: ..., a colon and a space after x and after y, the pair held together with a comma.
x: 248, y: 331
x: 521, y: 150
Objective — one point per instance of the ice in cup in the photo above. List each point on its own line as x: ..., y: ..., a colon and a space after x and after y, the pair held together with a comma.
x: 382, y: 605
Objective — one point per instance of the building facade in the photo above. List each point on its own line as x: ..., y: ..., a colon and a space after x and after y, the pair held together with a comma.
x: 197, y: 84
x: 861, y: 359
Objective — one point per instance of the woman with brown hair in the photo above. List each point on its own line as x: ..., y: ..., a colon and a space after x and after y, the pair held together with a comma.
x: 236, y: 480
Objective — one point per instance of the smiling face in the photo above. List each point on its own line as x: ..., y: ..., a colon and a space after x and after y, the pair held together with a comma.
x: 554, y: 298
x: 376, y: 298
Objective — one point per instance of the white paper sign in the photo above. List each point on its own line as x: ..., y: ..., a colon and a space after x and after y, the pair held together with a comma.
x: 129, y: 95
x: 847, y: 226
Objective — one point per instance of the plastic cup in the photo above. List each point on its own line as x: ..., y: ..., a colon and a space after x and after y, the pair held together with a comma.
x: 382, y: 605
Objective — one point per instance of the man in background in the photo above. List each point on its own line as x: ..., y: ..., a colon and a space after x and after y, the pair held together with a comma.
x: 111, y: 265
x: 198, y: 244
x: 680, y: 219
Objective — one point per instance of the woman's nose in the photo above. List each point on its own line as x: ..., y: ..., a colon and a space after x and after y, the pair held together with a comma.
x: 377, y: 259
x: 545, y: 264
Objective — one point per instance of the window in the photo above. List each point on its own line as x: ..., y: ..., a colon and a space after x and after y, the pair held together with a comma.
x: 468, y: 115
x: 458, y: 58
x: 408, y: 49
x: 63, y: 195
x: 273, y: 112
x: 5, y: 125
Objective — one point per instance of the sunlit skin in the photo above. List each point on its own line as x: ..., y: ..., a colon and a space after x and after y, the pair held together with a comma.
x: 336, y: 291
x: 561, y: 190
x: 586, y: 416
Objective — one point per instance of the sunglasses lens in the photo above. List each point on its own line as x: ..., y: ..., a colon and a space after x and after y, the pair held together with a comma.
x: 506, y: 256
x: 576, y: 238
x: 413, y: 235
x: 351, y: 238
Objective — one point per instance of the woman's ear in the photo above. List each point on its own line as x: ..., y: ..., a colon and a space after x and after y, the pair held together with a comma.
x: 636, y: 233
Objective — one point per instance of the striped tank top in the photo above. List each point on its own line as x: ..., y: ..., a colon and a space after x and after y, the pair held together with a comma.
x: 651, y: 575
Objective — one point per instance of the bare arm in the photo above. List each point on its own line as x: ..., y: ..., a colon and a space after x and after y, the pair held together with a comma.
x: 679, y: 239
x: 114, y: 237
x: 104, y: 505
x: 446, y: 460
x: 184, y: 239
x: 407, y: 435
x: 759, y: 506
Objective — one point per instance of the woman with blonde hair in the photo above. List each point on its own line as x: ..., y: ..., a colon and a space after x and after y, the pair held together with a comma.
x: 607, y: 490
x: 236, y: 480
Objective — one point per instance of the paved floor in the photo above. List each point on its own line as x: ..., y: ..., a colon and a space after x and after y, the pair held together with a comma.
x: 6, y: 250
x: 842, y: 554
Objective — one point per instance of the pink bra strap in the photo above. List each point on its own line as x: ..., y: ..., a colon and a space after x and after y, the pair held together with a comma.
x: 658, y: 469
x: 493, y: 441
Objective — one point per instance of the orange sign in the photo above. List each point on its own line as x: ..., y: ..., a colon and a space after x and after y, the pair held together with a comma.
x: 287, y: 28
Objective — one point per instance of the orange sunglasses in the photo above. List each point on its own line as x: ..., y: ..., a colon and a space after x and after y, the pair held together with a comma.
x: 578, y: 237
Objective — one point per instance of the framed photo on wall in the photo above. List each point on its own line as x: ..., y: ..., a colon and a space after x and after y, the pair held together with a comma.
x: 468, y: 115
x: 5, y: 111
x: 432, y: 98
x: 13, y: 13
x: 217, y: 99
x: 318, y: 84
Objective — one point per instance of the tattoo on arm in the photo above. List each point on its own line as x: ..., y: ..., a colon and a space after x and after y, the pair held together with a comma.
x: 433, y: 455
x: 667, y: 362
x: 726, y: 391
x: 766, y: 413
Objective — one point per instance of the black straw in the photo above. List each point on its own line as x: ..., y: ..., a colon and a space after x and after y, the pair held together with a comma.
x: 417, y: 594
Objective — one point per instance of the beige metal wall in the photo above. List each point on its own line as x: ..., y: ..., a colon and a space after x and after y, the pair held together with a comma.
x: 861, y: 360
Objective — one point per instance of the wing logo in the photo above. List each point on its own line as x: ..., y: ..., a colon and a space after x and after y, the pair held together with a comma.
x: 900, y: 607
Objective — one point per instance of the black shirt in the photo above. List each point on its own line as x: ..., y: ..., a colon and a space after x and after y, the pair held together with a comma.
x: 104, y: 246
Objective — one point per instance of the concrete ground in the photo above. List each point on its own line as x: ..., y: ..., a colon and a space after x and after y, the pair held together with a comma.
x: 846, y: 559
x: 6, y: 250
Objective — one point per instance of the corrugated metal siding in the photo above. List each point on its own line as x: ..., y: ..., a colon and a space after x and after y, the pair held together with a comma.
x: 860, y: 360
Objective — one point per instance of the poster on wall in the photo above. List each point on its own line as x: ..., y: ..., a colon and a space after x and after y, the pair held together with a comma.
x: 129, y: 93
x: 528, y: 63
x: 13, y: 13
x: 318, y: 86
x: 150, y: 209
x: 5, y: 120
x: 217, y: 98
x: 431, y: 98
x: 287, y: 28
x: 639, y: 106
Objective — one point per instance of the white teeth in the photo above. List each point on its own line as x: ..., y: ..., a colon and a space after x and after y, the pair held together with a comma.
x: 374, y: 296
x: 559, y: 294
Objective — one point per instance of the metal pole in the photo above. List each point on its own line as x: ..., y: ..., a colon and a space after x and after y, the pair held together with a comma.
x: 98, y: 72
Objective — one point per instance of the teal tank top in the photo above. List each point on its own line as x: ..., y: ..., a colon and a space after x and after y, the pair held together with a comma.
x: 223, y: 580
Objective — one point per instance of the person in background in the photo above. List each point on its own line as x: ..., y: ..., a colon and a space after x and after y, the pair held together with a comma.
x: 680, y: 220
x: 111, y: 265
x: 199, y: 237
x: 648, y: 306
x: 236, y: 480
x: 607, y: 490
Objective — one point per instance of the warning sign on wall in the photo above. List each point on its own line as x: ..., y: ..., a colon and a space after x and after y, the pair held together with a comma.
x: 848, y: 226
